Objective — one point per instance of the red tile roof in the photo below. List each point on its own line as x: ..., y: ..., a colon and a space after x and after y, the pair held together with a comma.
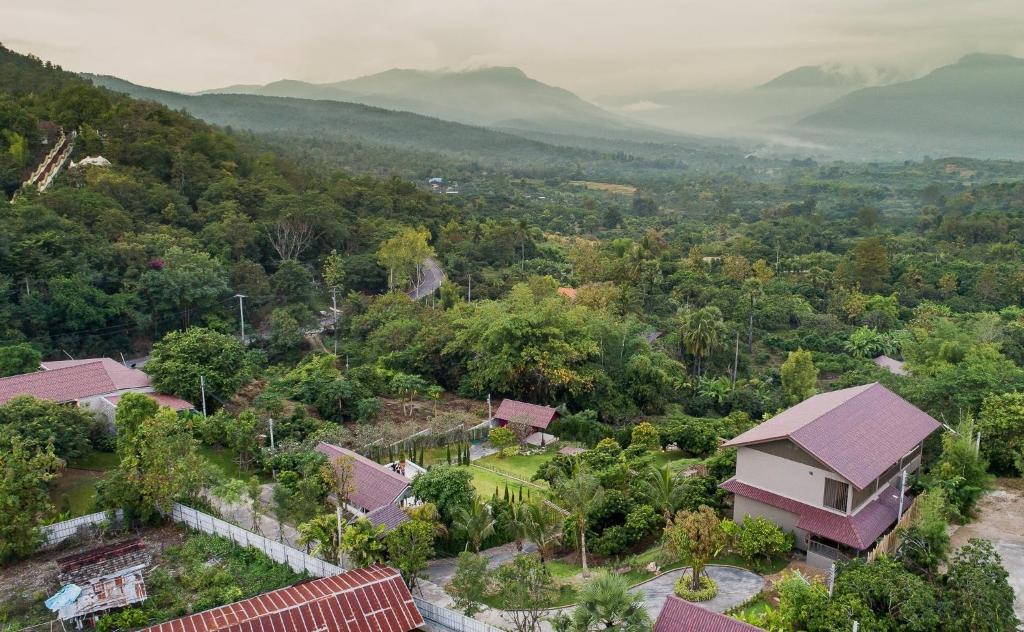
x: 372, y: 599
x: 60, y: 385
x: 374, y: 485
x: 170, y: 401
x: 858, y: 531
x: 122, y: 376
x: 678, y: 615
x: 859, y: 432
x: 535, y: 415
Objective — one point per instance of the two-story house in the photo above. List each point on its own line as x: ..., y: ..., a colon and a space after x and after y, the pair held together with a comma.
x: 830, y: 469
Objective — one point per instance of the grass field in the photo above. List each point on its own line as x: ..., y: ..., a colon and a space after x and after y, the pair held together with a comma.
x: 607, y: 187
x: 521, y: 466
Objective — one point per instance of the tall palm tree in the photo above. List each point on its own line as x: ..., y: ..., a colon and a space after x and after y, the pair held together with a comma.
x: 702, y: 333
x: 606, y: 603
x: 662, y: 488
x: 516, y: 523
x: 580, y: 493
x: 475, y: 521
x: 543, y: 526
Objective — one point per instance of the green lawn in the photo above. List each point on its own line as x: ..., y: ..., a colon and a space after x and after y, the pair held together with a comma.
x: 485, y: 482
x: 224, y: 460
x: 95, y: 460
x: 521, y: 465
x: 675, y: 458
x: 74, y: 492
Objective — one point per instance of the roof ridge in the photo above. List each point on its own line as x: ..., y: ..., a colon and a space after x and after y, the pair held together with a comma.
x: 368, y: 461
x: 864, y: 388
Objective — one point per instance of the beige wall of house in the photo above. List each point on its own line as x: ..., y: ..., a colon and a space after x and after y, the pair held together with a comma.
x: 743, y: 507
x: 784, y: 477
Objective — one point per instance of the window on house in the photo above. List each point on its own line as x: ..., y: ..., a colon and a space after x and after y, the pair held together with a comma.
x: 837, y: 494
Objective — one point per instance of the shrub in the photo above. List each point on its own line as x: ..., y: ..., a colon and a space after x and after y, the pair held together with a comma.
x: 511, y: 450
x: 759, y: 537
x: 707, y: 591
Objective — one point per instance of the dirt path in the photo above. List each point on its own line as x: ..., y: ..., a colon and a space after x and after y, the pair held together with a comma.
x: 1001, y: 520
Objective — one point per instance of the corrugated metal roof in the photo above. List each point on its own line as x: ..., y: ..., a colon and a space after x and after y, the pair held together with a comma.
x: 858, y: 531
x: 535, y: 415
x: 374, y: 485
x: 373, y: 599
x: 678, y: 615
x: 859, y: 432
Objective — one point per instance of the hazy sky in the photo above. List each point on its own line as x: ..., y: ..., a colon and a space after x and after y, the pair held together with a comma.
x: 594, y: 47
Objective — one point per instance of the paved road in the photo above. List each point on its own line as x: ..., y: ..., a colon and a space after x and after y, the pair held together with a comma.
x: 433, y: 276
x: 441, y: 571
x: 735, y: 585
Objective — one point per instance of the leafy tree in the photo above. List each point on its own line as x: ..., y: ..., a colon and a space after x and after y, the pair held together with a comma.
x: 961, y: 472
x: 514, y: 521
x: 448, y: 487
x: 696, y: 537
x: 364, y: 543
x: 475, y: 521
x: 181, y: 357
x: 404, y: 254
x: 286, y: 334
x: 525, y: 589
x: 1001, y: 424
x: 184, y: 282
x: 24, y: 472
x: 799, y: 376
x: 924, y: 544
x: 606, y: 603
x: 158, y: 459
x: 322, y: 533
x: 501, y: 438
x: 469, y: 584
x: 580, y: 494
x: 646, y: 436
x: 41, y: 422
x: 759, y: 537
x: 897, y: 597
x: 18, y: 359
x: 870, y: 264
x: 410, y: 545
x: 976, y: 594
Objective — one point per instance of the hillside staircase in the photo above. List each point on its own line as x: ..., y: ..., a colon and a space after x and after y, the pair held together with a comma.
x: 51, y: 165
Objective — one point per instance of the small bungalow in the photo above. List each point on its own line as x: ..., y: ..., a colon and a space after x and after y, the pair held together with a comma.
x: 378, y: 491
x: 536, y: 417
x: 832, y: 469
x: 94, y: 383
x: 371, y: 599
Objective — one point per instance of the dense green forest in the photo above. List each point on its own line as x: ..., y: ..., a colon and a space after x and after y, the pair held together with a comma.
x: 676, y: 301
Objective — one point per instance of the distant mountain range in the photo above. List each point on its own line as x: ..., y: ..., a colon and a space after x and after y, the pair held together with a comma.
x: 496, y: 97
x: 972, y: 107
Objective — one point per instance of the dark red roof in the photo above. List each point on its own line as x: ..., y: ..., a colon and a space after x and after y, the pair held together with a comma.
x: 678, y: 615
x: 71, y: 380
x: 389, y: 515
x: 169, y: 401
x: 533, y: 414
x: 858, y: 531
x: 859, y: 432
x: 373, y: 599
x: 374, y: 485
x: 92, y: 556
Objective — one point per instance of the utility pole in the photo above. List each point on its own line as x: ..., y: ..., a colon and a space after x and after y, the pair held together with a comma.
x: 123, y: 361
x: 490, y: 415
x: 339, y: 531
x: 241, y: 315
x: 273, y: 472
x: 977, y: 443
x: 470, y: 297
x: 903, y: 488
x: 831, y: 578
x: 202, y: 390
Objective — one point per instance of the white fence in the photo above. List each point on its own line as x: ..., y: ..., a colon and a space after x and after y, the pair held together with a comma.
x: 298, y: 560
x: 60, y: 531
x: 451, y: 620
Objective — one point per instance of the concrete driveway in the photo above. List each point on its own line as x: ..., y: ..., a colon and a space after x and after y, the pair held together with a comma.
x: 735, y: 585
x: 441, y: 571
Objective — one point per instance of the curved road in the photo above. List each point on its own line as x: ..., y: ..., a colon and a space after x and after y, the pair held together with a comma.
x: 433, y: 276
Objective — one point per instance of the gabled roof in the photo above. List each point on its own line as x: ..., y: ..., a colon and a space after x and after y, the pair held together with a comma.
x: 60, y: 385
x: 894, y: 366
x: 533, y: 414
x: 389, y: 515
x: 120, y: 375
x: 859, y: 432
x: 373, y: 599
x: 374, y: 485
x: 678, y: 615
x: 858, y: 531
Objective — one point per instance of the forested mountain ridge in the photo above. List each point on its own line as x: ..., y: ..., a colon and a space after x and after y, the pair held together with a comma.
x: 493, y: 97
x: 186, y: 215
